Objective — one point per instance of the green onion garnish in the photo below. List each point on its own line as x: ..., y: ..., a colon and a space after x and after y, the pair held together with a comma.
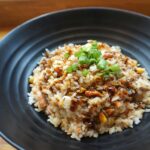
x: 92, y: 61
x: 66, y: 55
x: 72, y: 68
x: 85, y: 72
x: 102, y: 64
x: 115, y: 68
x: 83, y: 59
x: 89, y: 54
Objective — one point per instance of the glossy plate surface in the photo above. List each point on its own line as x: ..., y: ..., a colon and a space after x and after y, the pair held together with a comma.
x: 22, y: 48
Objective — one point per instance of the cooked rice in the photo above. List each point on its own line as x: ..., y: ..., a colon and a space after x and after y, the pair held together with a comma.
x: 69, y: 101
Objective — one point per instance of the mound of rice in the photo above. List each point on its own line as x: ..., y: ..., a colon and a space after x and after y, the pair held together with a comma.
x: 81, y: 100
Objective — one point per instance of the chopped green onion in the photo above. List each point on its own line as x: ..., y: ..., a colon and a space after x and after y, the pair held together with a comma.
x: 85, y: 72
x: 92, y: 61
x: 115, y: 68
x: 83, y: 60
x: 79, y: 53
x: 86, y: 48
x: 89, y: 54
x: 72, y: 68
x: 102, y: 64
x: 94, y: 45
x: 69, y: 70
x: 66, y: 55
x: 94, y: 54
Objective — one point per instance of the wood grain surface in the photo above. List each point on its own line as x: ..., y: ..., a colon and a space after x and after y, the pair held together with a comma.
x: 5, y: 146
x: 3, y: 32
x: 14, y: 12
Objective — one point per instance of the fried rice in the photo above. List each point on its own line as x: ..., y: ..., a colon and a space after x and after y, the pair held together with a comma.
x: 85, y: 99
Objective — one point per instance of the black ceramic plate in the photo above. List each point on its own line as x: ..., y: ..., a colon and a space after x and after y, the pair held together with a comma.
x: 22, y: 48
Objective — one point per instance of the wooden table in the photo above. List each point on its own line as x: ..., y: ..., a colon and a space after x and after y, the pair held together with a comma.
x: 4, y: 31
x: 30, y: 8
x: 5, y: 146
